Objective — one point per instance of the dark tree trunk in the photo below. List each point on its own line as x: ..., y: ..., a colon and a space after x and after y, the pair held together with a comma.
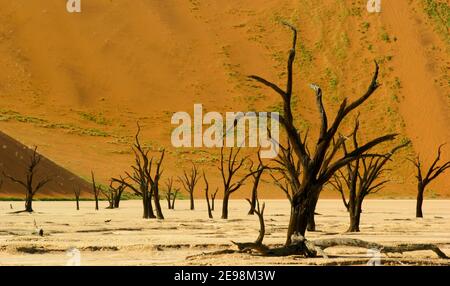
x: 257, y: 178
x: 168, y: 203
x: 311, y: 221
x: 173, y: 200
x: 420, y: 192
x: 209, y: 208
x: 192, y: 200
x: 312, y: 212
x: 151, y: 214
x: 303, y: 204
x: 148, y: 208
x: 145, y: 208
x: 355, y: 215
x: 298, y: 221
x: 78, y: 203
x: 29, y: 203
x: 252, y: 202
x: 159, y: 213
x: 207, y: 197
x: 354, y: 222
x: 212, y: 203
x: 96, y: 203
x: 117, y: 198
x: 226, y: 198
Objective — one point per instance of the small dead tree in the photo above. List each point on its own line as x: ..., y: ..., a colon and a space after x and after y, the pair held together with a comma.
x: 207, y: 196
x: 229, y: 168
x: 141, y: 182
x: 189, y: 181
x: 258, y: 244
x: 213, y: 198
x: 77, y: 193
x: 317, y: 167
x: 108, y: 194
x: 117, y: 192
x: 423, y: 180
x: 256, y: 179
x: 171, y: 194
x: 361, y: 178
x: 96, y: 189
x: 113, y: 194
x: 29, y: 183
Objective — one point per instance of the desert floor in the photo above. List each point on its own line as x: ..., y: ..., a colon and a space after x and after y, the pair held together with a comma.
x: 122, y: 237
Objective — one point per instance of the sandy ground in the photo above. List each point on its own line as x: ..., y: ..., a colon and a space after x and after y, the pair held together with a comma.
x: 122, y: 237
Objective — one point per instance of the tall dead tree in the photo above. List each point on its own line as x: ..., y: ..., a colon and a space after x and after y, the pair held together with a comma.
x: 361, y: 178
x: 141, y: 182
x: 256, y: 179
x: 154, y: 185
x: 228, y: 169
x: 77, y: 193
x: 30, y: 183
x: 317, y: 167
x: 96, y: 189
x: 424, y: 179
x: 213, y: 198
x: 189, y: 181
x: 207, y: 196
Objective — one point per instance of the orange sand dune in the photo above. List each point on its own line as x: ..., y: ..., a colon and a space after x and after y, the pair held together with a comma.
x: 75, y: 84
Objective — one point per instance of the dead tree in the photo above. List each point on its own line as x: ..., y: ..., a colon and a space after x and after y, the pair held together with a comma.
x: 317, y: 167
x: 213, y: 198
x: 289, y: 168
x: 140, y: 181
x: 30, y: 183
x: 361, y: 178
x: 228, y: 169
x: 113, y: 194
x: 189, y: 181
x: 96, y: 189
x: 117, y: 192
x: 77, y: 193
x: 423, y: 180
x: 175, y: 195
x: 169, y: 185
x: 207, y: 196
x: 314, y: 248
x: 108, y: 193
x: 154, y: 185
x: 256, y: 179
x: 171, y: 194
x: 258, y: 244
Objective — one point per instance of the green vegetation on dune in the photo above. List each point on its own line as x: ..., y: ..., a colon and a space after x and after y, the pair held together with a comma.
x: 96, y: 118
x: 439, y: 12
x: 10, y: 115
